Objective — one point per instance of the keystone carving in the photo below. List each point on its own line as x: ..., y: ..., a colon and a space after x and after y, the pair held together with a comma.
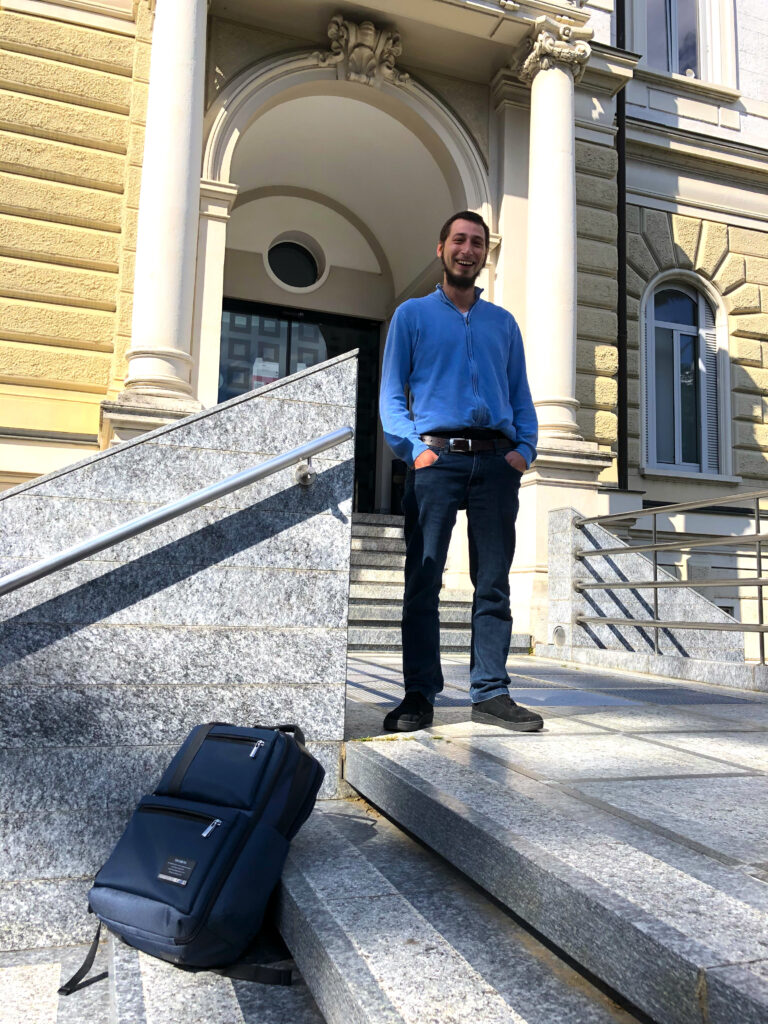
x: 362, y: 52
x: 556, y: 44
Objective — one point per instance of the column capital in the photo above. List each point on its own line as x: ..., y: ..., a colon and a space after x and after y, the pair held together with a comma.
x: 554, y: 43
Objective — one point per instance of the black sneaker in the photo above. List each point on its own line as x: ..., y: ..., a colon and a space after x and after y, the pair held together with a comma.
x: 414, y: 712
x: 503, y: 711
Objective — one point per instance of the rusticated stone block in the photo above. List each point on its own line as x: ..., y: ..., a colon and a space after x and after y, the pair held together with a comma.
x: 732, y: 273
x: 597, y: 324
x: 596, y: 359
x: 633, y: 308
x: 657, y: 234
x: 85, y: 166
x: 66, y: 81
x: 685, y: 235
x: 745, y: 299
x: 67, y: 121
x: 601, y: 161
x: 61, y: 41
x: 746, y: 351
x: 640, y: 257
x: 747, y: 378
x: 747, y: 407
x: 594, y: 223
x: 633, y: 219
x: 69, y: 203
x: 598, y: 192
x: 49, y: 323
x: 757, y: 270
x: 764, y: 298
x: 596, y: 392
x: 598, y: 425
x: 53, y: 366
x: 748, y: 242
x: 49, y: 283
x: 594, y: 255
x: 595, y: 290
x: 750, y: 325
x: 713, y: 247
x: 750, y: 463
x: 60, y: 243
x: 750, y: 435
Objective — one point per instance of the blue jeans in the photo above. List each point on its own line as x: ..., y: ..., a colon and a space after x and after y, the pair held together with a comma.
x: 487, y: 487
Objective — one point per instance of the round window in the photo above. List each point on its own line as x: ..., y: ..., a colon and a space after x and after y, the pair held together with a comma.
x: 293, y: 264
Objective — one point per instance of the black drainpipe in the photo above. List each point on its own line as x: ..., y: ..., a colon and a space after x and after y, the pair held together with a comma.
x: 622, y: 452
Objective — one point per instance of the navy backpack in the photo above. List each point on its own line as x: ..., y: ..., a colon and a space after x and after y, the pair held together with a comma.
x: 190, y: 878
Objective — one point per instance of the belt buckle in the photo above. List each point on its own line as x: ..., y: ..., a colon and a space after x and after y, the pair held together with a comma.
x: 454, y: 442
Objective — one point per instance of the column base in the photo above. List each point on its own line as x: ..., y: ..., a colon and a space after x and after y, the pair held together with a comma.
x: 565, y: 474
x: 131, y: 414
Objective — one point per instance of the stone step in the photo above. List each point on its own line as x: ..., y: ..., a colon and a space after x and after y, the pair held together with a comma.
x: 366, y: 574
x: 365, y: 638
x: 395, y: 544
x: 370, y: 558
x: 392, y: 590
x: 678, y: 933
x: 386, y: 933
x: 30, y: 980
x: 361, y: 531
x: 384, y: 613
x: 376, y: 519
x: 145, y: 990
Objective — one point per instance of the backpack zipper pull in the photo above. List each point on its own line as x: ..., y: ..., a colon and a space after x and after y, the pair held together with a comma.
x: 214, y: 824
x: 256, y: 748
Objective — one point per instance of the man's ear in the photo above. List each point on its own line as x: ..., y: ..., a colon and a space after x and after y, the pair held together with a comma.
x: 439, y: 250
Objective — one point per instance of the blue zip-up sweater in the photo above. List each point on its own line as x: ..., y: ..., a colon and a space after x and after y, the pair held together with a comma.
x: 461, y: 373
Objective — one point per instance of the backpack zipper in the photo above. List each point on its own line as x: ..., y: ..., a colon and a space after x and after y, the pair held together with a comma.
x: 238, y: 850
x: 229, y: 738
x: 213, y: 823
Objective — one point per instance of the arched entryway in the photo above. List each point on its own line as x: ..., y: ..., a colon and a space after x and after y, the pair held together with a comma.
x: 321, y: 201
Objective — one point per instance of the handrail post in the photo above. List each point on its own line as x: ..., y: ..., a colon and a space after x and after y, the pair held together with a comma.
x: 655, y: 589
x: 759, y: 555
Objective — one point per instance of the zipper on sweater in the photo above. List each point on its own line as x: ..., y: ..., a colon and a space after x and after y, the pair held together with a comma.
x: 240, y: 847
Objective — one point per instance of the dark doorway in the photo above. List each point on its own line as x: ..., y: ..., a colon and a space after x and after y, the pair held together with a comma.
x: 261, y: 343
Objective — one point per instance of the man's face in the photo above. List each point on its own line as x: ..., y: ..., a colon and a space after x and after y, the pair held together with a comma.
x: 463, y: 253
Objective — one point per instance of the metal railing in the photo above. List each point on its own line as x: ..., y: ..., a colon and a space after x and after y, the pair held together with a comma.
x: 711, y: 541
x: 158, y: 516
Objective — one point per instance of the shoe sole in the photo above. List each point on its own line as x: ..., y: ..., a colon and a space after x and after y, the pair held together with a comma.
x: 408, y: 726
x: 479, y: 716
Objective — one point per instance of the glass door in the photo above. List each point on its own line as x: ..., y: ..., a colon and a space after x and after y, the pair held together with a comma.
x: 260, y: 344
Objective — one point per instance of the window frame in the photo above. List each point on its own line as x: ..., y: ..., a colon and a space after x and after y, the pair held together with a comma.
x: 696, y: 289
x: 716, y: 42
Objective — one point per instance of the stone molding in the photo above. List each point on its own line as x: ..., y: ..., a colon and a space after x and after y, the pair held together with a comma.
x: 556, y: 43
x: 363, y: 53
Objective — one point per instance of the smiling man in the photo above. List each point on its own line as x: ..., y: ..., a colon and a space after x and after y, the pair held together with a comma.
x: 468, y: 436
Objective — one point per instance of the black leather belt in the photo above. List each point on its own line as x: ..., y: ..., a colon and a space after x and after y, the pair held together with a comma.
x: 467, y: 445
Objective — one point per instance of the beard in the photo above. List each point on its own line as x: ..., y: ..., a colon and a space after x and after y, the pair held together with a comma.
x: 462, y: 283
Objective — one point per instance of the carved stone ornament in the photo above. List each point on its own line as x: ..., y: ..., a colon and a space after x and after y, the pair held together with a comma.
x: 362, y: 52
x: 556, y: 44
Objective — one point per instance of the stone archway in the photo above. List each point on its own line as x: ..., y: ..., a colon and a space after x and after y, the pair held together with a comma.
x: 338, y: 77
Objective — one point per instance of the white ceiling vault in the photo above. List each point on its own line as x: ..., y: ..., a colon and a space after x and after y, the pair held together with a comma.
x: 361, y: 159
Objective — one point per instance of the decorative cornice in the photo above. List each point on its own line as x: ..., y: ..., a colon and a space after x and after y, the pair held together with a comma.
x: 555, y: 43
x: 361, y: 52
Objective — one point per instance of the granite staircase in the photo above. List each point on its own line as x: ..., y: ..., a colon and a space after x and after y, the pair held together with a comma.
x: 377, y: 560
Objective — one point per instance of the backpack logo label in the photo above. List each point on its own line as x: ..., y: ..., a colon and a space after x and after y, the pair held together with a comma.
x: 177, y: 870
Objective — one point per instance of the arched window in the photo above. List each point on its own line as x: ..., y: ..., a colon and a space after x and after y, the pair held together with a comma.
x: 682, y: 382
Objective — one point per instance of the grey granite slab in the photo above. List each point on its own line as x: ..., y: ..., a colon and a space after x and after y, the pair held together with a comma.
x: 444, y: 955
x: 125, y: 986
x: 282, y: 424
x: 92, y: 1004
x: 44, y: 716
x: 663, y: 719
x: 48, y: 844
x: 562, y: 757
x: 727, y: 815
x: 552, y: 697
x: 737, y: 994
x: 172, y: 996
x: 41, y: 913
x: 28, y: 994
x: 633, y: 920
x: 742, y: 750
x: 29, y: 982
x: 145, y: 592
x: 50, y: 653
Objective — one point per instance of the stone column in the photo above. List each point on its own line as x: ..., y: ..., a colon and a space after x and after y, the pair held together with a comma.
x: 557, y: 58
x: 158, y: 382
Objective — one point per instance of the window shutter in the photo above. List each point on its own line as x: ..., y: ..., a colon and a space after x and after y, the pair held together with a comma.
x: 712, y: 452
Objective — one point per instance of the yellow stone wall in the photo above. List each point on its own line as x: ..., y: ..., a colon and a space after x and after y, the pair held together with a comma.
x: 71, y: 139
x: 596, y: 356
x: 735, y: 261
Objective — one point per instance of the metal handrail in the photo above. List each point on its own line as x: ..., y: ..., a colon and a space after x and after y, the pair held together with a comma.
x: 755, y: 539
x: 683, y: 506
x: 158, y: 516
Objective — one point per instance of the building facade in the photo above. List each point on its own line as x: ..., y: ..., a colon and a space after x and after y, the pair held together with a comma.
x: 201, y: 197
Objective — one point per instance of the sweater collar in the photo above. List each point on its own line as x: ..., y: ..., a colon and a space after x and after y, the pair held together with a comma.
x: 444, y: 297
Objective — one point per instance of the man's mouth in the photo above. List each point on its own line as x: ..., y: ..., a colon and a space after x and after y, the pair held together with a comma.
x: 465, y: 263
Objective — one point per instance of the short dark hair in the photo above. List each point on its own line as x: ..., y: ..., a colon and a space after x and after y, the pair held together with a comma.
x: 466, y: 215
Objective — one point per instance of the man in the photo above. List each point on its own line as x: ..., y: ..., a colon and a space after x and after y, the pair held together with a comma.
x: 469, y: 437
